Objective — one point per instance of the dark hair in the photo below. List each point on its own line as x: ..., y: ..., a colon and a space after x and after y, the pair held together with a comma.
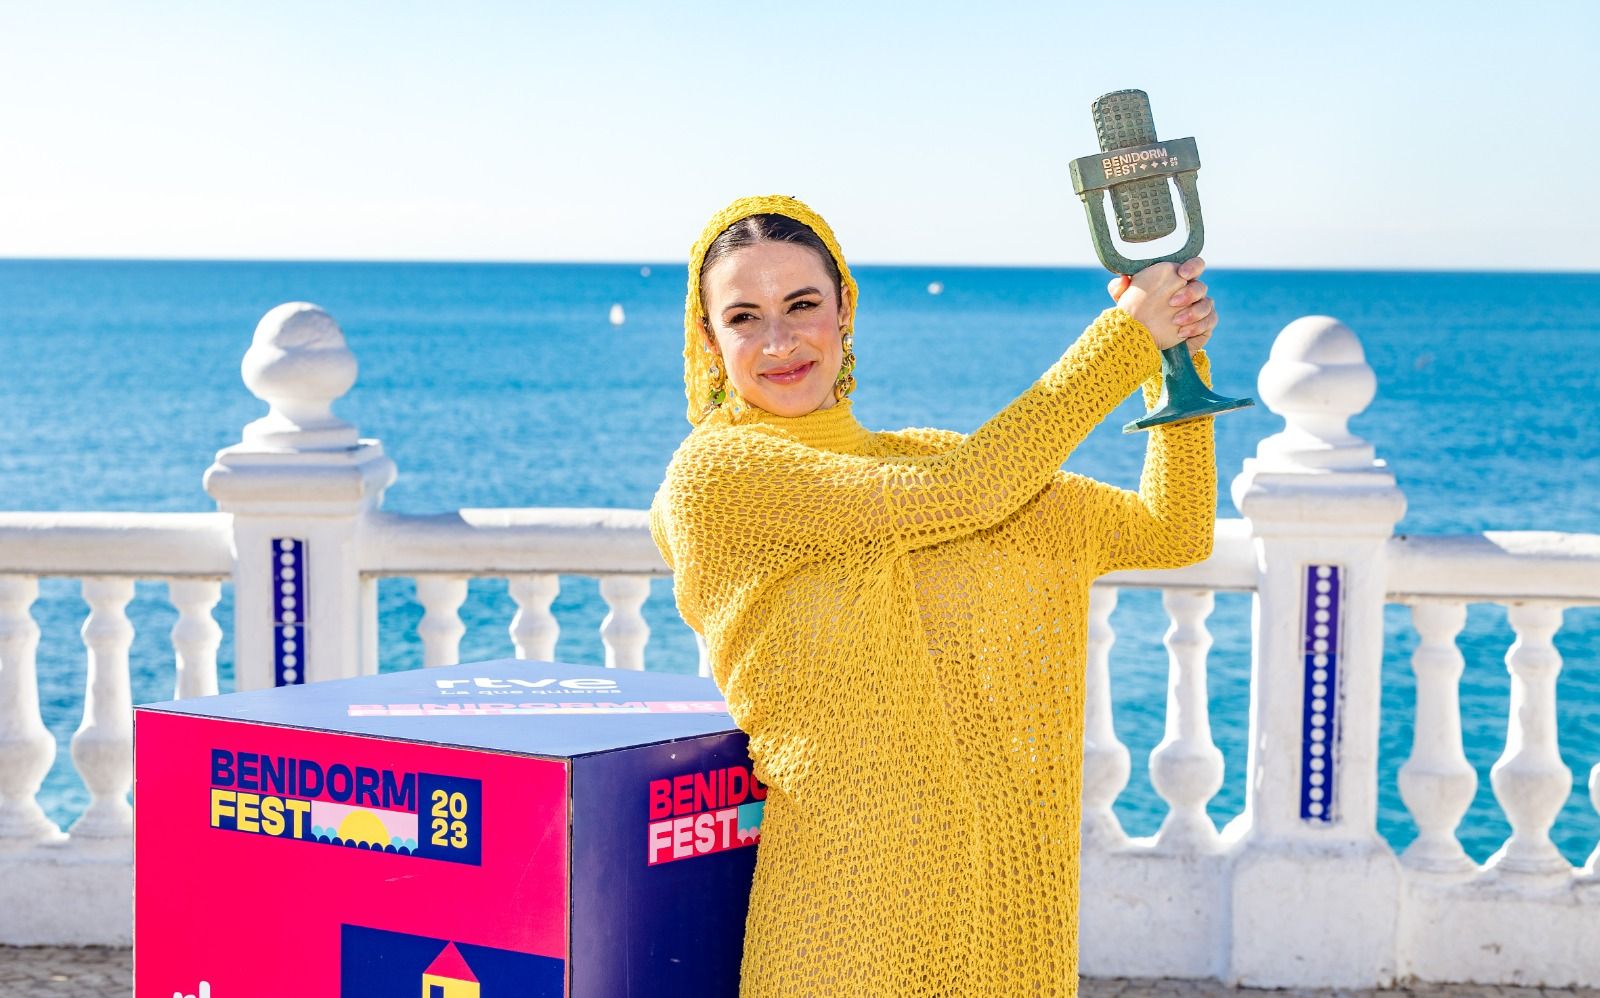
x: 769, y: 228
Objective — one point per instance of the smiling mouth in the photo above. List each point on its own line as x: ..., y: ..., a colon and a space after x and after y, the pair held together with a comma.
x: 792, y: 375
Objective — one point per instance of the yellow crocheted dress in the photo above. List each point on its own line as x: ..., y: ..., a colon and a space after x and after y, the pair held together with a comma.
x: 897, y: 620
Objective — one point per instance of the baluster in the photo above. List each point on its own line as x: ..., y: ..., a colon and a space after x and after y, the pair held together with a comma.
x: 624, y: 631
x: 534, y: 629
x: 27, y: 748
x: 1186, y: 768
x: 195, y: 636
x: 441, y: 628
x: 1529, y: 779
x: 102, y: 748
x: 1592, y: 868
x: 705, y: 653
x: 369, y: 625
x: 1437, y: 783
x: 1105, y: 759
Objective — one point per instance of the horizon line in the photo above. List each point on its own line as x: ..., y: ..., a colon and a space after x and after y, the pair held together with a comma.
x: 642, y: 262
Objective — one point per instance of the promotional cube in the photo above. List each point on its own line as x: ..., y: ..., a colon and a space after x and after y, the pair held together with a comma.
x: 498, y: 828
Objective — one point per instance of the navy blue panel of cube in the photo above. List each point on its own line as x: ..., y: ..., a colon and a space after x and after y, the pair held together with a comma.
x: 656, y: 831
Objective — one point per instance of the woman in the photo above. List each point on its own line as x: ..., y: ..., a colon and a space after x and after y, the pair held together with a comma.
x: 897, y: 619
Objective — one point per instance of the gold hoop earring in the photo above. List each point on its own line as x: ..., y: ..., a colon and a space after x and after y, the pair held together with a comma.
x: 845, y: 383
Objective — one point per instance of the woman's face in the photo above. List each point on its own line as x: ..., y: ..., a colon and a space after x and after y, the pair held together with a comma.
x: 777, y: 324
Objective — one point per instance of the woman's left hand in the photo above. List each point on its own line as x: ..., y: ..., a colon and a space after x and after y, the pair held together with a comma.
x: 1197, y: 321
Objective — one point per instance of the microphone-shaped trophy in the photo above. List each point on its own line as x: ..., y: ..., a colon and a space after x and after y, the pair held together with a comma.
x: 1134, y: 168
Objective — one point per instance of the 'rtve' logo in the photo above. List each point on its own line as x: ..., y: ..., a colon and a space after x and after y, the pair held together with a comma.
x: 205, y: 992
x: 490, y: 683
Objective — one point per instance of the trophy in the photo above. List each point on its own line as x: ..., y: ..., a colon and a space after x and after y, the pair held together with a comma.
x: 1133, y: 167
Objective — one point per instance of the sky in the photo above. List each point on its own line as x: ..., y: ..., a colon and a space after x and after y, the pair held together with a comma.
x: 1399, y: 135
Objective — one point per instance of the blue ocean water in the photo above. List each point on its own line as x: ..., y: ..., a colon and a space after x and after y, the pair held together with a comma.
x: 505, y: 385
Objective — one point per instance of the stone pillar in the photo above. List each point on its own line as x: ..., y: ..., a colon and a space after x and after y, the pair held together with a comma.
x: 299, y: 485
x: 1315, y: 890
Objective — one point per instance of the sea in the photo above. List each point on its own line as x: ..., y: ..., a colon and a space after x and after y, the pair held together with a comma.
x: 506, y: 385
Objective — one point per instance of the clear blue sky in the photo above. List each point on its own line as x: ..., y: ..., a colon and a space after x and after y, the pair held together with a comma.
x: 1351, y: 134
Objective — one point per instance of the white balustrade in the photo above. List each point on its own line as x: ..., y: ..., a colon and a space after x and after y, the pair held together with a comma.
x: 1186, y: 768
x: 624, y: 631
x: 74, y: 889
x: 441, y: 629
x: 504, y: 542
x: 102, y: 748
x: 196, y: 636
x: 26, y: 747
x: 1299, y: 889
x: 1436, y: 782
x: 1530, y: 781
x: 1105, y: 759
x: 1496, y: 564
x: 534, y: 629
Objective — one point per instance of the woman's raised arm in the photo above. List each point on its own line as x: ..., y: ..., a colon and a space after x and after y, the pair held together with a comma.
x: 753, y: 489
x: 1171, y: 521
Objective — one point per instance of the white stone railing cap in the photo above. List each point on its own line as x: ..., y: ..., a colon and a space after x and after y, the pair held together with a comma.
x: 1317, y: 377
x: 298, y: 364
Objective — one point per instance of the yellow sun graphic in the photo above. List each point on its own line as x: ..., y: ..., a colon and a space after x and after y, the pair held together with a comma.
x: 363, y: 826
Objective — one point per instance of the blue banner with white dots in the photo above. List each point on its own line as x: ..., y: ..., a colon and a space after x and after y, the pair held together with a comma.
x: 1319, y: 742
x: 288, y: 611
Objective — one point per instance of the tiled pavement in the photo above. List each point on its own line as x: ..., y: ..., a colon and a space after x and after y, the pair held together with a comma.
x: 101, y: 972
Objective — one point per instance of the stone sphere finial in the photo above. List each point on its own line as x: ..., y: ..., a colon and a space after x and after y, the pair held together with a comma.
x: 298, y: 364
x: 1316, y: 378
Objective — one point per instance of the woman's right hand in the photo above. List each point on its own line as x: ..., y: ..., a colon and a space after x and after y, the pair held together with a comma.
x: 1157, y: 294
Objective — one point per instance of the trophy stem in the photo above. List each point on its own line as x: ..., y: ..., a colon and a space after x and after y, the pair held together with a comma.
x: 1183, y: 395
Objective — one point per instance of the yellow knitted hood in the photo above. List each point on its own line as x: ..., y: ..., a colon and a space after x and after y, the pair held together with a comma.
x: 696, y: 360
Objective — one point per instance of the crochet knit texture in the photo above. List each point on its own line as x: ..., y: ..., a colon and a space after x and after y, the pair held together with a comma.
x: 898, y: 621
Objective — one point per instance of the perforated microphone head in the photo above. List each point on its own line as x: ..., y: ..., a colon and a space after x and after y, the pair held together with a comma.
x: 1122, y: 120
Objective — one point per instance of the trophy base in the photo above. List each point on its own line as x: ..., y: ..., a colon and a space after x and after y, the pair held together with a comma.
x: 1183, y: 395
x: 1172, y: 414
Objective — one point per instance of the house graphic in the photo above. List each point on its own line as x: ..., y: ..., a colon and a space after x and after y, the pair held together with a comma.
x: 448, y: 976
x: 383, y: 963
